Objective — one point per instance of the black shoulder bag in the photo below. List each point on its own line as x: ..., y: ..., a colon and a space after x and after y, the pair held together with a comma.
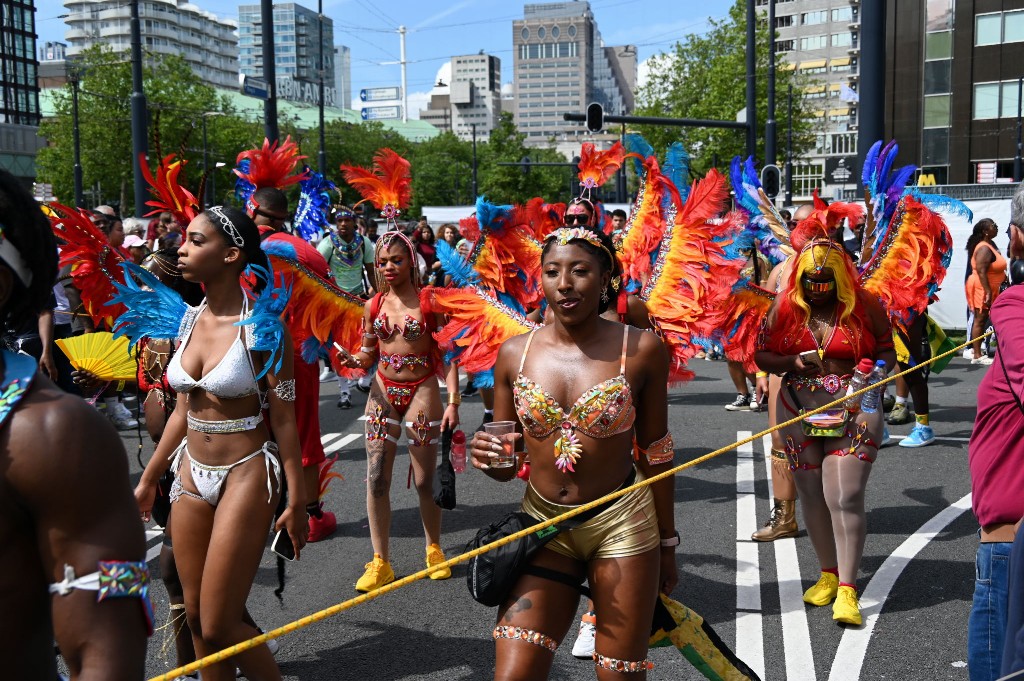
x: 444, y: 477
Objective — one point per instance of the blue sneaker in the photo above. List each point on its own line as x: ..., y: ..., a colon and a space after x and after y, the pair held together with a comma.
x: 886, y: 437
x: 920, y: 436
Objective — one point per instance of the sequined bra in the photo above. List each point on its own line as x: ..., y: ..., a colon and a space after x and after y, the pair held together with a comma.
x: 383, y: 329
x: 603, y: 411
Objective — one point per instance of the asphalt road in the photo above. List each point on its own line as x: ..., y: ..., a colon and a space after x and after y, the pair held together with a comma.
x: 916, y: 578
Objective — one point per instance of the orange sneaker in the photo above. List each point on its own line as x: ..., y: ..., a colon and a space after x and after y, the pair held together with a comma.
x: 435, y: 556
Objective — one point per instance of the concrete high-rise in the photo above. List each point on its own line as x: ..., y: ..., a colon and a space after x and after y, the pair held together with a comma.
x: 561, y: 64
x: 820, y: 38
x: 19, y: 90
x: 172, y: 27
x: 473, y: 102
x: 296, y: 52
x: 343, y: 76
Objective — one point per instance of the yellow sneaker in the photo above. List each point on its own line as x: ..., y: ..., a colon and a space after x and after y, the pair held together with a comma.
x: 846, y: 609
x: 378, y: 573
x: 824, y: 591
x: 434, y: 556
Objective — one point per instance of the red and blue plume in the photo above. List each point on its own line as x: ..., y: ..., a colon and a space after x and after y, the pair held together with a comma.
x: 153, y: 309
x: 273, y: 165
x: 311, y: 222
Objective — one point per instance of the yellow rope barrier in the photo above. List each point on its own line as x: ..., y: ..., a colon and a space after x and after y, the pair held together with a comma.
x: 231, y: 651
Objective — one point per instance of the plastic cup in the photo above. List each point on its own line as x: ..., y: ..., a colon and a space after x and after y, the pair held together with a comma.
x: 506, y: 432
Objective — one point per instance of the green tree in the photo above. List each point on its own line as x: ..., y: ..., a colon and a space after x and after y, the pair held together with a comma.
x: 176, y: 101
x: 704, y: 77
x: 510, y: 184
x: 442, y: 172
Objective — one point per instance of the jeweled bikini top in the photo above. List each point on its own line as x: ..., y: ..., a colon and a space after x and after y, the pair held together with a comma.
x: 603, y: 411
x: 383, y: 329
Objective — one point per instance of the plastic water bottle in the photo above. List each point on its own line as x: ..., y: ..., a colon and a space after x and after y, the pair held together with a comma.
x: 459, y: 451
x: 859, y: 380
x: 869, y: 403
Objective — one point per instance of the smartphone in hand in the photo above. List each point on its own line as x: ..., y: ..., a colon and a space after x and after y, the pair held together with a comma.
x: 282, y: 545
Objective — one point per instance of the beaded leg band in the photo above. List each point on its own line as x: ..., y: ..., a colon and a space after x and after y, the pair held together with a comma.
x: 526, y: 635
x: 624, y: 666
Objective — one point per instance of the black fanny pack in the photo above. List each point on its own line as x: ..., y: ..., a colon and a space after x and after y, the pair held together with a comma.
x: 492, y: 575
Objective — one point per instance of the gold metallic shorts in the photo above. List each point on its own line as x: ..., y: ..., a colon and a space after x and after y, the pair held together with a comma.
x: 627, y: 528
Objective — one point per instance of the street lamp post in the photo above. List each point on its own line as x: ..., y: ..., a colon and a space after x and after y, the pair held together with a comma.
x: 76, y: 140
x: 323, y: 142
x: 138, y: 100
x: 475, y: 189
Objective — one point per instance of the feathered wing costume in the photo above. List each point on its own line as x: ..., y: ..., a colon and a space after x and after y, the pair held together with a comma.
x: 94, y: 264
x: 595, y: 168
x: 692, y: 273
x: 310, y: 221
x: 168, y: 193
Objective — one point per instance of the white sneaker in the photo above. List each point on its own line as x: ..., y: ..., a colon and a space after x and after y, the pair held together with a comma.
x: 327, y: 374
x: 583, y: 648
x: 984, y: 360
x: 969, y: 353
x: 121, y: 417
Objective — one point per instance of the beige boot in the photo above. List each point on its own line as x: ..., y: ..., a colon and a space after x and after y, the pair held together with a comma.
x: 781, y: 523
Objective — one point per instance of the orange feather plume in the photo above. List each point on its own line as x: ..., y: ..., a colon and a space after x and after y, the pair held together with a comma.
x: 168, y: 194
x: 326, y: 475
x: 273, y: 165
x: 648, y: 220
x: 744, y: 312
x: 597, y: 167
x: 388, y: 183
x: 94, y: 264
x: 542, y: 217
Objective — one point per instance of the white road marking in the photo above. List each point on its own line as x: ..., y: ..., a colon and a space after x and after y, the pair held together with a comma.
x: 324, y: 439
x: 749, y: 631
x: 796, y: 637
x: 853, y: 646
x: 340, y: 444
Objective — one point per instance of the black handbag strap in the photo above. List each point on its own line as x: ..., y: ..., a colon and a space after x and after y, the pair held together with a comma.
x: 1009, y: 385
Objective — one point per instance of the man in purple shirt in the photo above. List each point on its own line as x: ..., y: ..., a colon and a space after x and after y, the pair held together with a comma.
x: 996, y: 459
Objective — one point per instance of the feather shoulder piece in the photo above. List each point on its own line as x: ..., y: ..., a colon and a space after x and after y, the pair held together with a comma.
x: 909, y: 263
x: 94, y: 264
x: 691, y: 273
x: 544, y: 218
x: 321, y: 314
x: 457, y: 267
x: 597, y: 167
x: 506, y: 256
x: 743, y: 312
x: 264, y: 328
x: 152, y: 309
x: 751, y: 197
x: 311, y: 221
x: 653, y: 210
x: 388, y: 185
x: 478, y: 323
x: 272, y: 165
x: 168, y: 193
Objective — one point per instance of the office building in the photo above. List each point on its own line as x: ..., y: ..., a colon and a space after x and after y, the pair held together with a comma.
x: 19, y: 91
x: 297, y: 35
x: 343, y: 76
x: 953, y: 70
x: 820, y: 38
x: 171, y: 27
x: 52, y: 51
x: 561, y: 64
x: 472, y: 103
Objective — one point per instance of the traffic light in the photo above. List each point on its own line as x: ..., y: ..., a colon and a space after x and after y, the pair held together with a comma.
x: 595, y: 117
x: 771, y: 180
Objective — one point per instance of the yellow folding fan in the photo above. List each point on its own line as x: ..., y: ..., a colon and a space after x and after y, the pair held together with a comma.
x: 100, y: 354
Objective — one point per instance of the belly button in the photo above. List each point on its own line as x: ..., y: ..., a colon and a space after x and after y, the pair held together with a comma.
x: 563, y: 492
x: 208, y: 439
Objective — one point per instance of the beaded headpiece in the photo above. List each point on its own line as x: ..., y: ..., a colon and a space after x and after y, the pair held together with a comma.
x: 818, y: 267
x: 564, y: 235
x: 228, y: 226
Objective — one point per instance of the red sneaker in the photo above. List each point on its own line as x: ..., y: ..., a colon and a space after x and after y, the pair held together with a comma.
x: 323, y: 527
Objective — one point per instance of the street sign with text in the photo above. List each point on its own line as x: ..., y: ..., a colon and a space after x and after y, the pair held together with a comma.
x: 380, y: 113
x: 255, y: 87
x: 380, y: 94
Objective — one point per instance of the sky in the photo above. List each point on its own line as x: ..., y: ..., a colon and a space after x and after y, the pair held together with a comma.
x: 439, y: 30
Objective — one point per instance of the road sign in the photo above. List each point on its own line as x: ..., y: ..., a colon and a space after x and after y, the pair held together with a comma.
x: 839, y: 170
x: 255, y: 87
x: 380, y: 113
x: 380, y: 94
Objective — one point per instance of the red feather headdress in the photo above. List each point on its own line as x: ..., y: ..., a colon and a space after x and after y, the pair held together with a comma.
x: 597, y: 167
x: 274, y: 165
x: 388, y: 185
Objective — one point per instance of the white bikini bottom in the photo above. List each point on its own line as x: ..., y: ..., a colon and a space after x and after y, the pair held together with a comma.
x: 209, y: 480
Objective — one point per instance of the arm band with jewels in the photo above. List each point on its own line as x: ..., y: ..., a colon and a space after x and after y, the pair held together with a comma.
x: 660, y: 451
x: 285, y: 390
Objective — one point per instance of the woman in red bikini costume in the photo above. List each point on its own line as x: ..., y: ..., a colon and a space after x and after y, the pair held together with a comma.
x: 615, y: 377
x: 397, y: 327
x: 819, y: 326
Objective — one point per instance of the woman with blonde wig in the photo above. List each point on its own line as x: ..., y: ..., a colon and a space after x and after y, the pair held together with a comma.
x: 820, y: 326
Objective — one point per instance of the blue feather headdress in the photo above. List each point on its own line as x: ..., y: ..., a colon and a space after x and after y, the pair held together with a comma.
x: 244, y: 189
x: 311, y: 221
